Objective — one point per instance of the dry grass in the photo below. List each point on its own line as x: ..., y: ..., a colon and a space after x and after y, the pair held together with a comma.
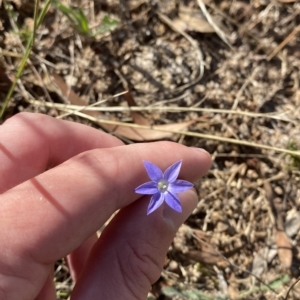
x: 241, y: 100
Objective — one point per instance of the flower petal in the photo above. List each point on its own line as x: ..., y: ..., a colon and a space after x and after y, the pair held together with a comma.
x: 147, y: 188
x: 154, y: 172
x: 172, y: 172
x: 173, y: 201
x: 155, y: 202
x: 179, y: 186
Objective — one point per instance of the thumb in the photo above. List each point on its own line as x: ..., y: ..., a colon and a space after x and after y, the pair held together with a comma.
x: 129, y: 256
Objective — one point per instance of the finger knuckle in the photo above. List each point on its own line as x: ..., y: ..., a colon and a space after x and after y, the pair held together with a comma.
x: 141, y: 269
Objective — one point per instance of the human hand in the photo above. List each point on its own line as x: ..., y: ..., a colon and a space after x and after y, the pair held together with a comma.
x: 59, y: 183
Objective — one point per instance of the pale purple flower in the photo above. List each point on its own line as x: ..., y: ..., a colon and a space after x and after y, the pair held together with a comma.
x: 163, y: 187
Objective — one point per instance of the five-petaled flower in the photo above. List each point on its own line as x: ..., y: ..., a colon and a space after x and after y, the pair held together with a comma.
x: 164, y: 186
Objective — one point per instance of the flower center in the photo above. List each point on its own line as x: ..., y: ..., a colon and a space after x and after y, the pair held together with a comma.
x: 163, y: 185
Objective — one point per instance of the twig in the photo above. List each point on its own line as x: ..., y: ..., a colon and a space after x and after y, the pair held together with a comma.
x: 20, y: 55
x: 189, y: 133
x: 10, y: 53
x: 226, y: 259
x: 169, y: 109
x: 241, y: 90
x: 291, y: 287
x: 169, y: 22
x: 80, y: 108
x: 171, y: 100
x: 210, y: 20
x: 284, y: 42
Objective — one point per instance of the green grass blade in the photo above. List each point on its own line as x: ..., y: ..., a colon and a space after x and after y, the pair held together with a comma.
x: 108, y: 24
x: 77, y: 18
x: 37, y: 21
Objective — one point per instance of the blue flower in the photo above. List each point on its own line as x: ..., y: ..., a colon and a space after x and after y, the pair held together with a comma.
x: 163, y: 187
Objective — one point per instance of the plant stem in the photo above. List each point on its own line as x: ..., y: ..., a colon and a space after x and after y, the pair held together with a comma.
x: 37, y: 22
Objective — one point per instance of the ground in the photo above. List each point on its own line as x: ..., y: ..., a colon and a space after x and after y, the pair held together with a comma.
x: 220, y: 75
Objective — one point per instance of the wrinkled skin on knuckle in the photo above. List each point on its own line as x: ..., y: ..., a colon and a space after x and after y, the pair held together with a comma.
x: 3, y: 293
x: 101, y: 164
x: 20, y: 274
x: 16, y: 288
x: 102, y: 161
x: 141, y: 268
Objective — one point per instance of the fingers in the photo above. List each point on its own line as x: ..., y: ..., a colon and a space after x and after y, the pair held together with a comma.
x: 78, y: 258
x: 48, y: 290
x: 129, y: 256
x: 32, y: 143
x: 74, y: 199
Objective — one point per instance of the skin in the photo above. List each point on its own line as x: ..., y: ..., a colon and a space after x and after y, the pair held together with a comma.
x: 60, y: 182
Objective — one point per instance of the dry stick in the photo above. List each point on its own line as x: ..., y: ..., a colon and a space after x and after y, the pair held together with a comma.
x: 169, y: 22
x: 237, y: 24
x: 284, y: 42
x: 169, y: 109
x: 170, y: 100
x: 19, y: 55
x: 231, y: 20
x: 10, y: 53
x: 241, y: 90
x: 80, y: 108
x: 189, y: 133
x: 291, y: 287
x: 210, y: 20
x: 226, y: 259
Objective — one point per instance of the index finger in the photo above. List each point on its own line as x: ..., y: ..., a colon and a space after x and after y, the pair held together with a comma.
x: 31, y: 143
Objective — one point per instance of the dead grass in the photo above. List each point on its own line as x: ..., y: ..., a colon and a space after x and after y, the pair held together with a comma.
x: 240, y: 100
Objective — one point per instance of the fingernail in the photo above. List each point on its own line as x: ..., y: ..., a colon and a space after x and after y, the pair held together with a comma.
x: 201, y: 150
